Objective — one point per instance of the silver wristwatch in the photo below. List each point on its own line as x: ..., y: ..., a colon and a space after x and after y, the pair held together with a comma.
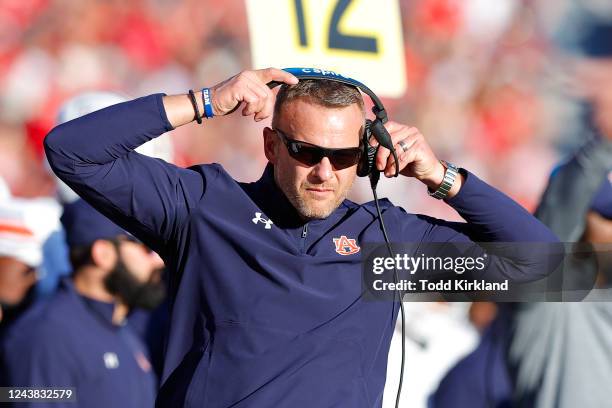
x: 449, y: 179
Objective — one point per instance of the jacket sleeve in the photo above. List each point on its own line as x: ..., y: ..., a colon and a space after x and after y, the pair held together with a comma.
x: 148, y: 197
x: 571, y: 188
x: 518, y: 247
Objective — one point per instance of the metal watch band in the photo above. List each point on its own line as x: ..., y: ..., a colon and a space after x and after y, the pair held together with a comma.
x: 449, y: 179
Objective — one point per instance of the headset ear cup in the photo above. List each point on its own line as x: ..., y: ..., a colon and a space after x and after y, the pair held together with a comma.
x: 368, y: 154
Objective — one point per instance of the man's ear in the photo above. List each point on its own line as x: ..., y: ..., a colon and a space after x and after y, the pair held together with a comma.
x: 270, y: 144
x: 104, y: 254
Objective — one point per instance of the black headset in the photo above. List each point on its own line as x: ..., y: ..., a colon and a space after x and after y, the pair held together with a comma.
x: 373, y: 128
x: 367, y: 166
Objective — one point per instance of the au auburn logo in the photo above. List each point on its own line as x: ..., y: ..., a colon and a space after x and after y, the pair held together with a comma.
x: 346, y: 246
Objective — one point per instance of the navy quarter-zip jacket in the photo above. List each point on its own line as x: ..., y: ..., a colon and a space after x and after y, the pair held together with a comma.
x: 265, y: 312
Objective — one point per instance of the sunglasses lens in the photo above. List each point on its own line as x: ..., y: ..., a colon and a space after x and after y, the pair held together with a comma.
x: 305, y: 154
x: 341, y: 159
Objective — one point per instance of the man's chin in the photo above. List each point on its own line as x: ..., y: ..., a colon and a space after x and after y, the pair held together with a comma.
x: 318, y: 209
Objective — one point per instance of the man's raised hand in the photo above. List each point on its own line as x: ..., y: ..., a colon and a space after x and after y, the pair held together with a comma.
x: 250, y: 89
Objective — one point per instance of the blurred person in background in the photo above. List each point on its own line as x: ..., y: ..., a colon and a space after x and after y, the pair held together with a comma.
x: 438, y: 334
x: 80, y: 337
x: 560, y: 353
x: 480, y: 379
x: 551, y: 354
x: 25, y: 225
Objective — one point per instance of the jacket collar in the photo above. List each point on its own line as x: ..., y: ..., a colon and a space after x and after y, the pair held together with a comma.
x: 101, y: 310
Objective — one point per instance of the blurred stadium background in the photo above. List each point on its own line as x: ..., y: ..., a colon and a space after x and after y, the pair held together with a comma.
x: 493, y: 85
x: 486, y: 82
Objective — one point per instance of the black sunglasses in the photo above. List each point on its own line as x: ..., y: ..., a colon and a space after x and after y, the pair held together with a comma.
x: 311, y: 154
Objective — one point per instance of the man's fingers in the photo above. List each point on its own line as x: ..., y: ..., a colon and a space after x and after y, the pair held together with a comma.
x: 227, y: 96
x: 273, y: 74
x: 405, y: 155
x: 267, y: 109
x: 252, y: 108
x: 266, y: 105
x: 257, y: 87
x: 259, y: 98
x: 392, y: 126
x: 397, y: 133
x: 260, y: 93
x: 404, y: 158
x: 250, y: 99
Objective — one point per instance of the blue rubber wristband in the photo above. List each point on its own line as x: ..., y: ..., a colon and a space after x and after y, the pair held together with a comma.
x: 208, y: 111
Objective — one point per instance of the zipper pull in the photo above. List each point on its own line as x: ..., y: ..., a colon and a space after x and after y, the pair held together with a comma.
x: 305, y: 230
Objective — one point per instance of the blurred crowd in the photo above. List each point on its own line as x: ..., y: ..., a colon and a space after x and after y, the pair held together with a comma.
x: 487, y: 80
x: 505, y: 88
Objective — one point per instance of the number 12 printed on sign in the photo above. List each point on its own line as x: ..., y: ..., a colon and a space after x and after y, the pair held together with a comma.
x: 332, y: 34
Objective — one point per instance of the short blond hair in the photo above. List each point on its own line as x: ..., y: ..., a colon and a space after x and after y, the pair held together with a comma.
x: 330, y: 94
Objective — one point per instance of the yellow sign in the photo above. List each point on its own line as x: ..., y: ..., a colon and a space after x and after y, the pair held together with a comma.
x: 361, y: 39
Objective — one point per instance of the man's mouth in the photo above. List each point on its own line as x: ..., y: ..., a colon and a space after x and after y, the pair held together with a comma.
x: 320, y: 192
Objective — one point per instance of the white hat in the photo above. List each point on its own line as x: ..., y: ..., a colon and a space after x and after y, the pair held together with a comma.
x: 25, y: 225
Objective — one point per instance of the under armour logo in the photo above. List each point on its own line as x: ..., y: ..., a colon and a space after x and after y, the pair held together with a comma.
x: 259, y: 218
x: 346, y: 246
x: 111, y: 360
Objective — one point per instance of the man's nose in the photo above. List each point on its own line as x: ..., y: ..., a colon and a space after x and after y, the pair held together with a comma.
x: 323, y: 171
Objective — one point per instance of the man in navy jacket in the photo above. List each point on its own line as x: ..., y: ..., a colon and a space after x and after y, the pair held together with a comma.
x: 267, y: 306
x: 80, y: 337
